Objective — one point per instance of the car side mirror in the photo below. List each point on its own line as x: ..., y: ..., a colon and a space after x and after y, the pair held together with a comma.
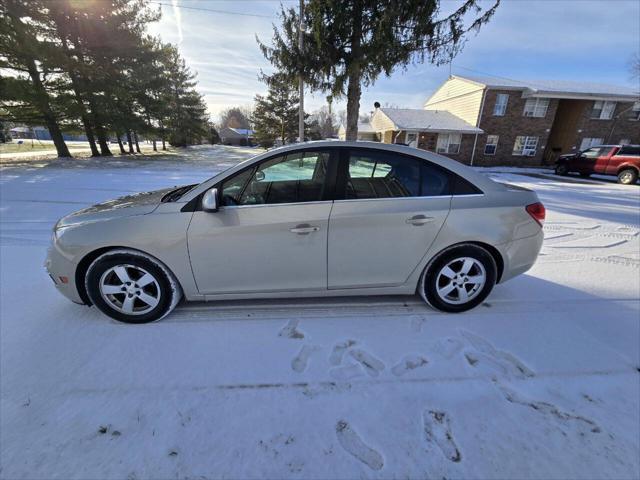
x: 210, y: 200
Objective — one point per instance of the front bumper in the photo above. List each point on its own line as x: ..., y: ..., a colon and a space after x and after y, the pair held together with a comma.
x: 63, y: 273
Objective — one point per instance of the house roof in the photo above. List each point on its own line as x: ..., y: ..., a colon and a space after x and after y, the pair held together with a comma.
x: 432, y: 120
x: 362, y: 128
x: 243, y: 131
x: 557, y: 87
x: 227, y: 132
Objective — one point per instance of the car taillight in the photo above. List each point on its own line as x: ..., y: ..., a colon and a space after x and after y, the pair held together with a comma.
x: 537, y: 212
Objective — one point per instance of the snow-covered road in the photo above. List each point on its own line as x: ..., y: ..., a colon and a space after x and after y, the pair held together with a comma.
x: 541, y: 381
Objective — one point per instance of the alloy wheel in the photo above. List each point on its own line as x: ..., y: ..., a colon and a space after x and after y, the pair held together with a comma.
x: 129, y: 289
x: 626, y: 177
x: 461, y: 280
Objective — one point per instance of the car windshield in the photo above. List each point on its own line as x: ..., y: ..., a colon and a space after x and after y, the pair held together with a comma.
x: 175, y: 194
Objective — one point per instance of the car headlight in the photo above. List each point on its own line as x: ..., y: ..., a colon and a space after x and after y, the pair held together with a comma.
x: 59, y: 230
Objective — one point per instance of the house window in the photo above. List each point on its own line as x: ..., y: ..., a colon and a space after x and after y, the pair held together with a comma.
x: 625, y: 141
x: 492, y: 144
x: 589, y: 142
x: 525, y: 146
x: 500, y: 107
x: 536, y: 107
x: 603, y: 110
x: 411, y: 138
x: 634, y: 114
x: 448, y: 143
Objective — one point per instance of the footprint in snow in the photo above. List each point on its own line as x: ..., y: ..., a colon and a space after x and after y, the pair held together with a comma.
x: 416, y: 323
x: 339, y: 350
x: 371, y: 364
x: 506, y: 362
x: 290, y: 330
x: 408, y: 363
x: 301, y: 360
x: 353, y: 444
x: 484, y: 364
x: 437, y: 429
x: 447, y: 347
x: 550, y: 409
x: 347, y: 372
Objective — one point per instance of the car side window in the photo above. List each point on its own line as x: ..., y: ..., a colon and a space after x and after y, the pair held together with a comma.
x: 388, y: 175
x: 595, y: 152
x: 291, y: 178
x: 629, y: 151
x: 436, y: 181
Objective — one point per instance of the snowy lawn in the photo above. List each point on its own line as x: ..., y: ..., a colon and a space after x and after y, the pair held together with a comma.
x: 541, y: 381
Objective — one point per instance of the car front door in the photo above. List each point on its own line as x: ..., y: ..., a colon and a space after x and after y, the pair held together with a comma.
x: 388, y: 210
x: 270, y: 232
x: 586, y: 160
x: 602, y: 161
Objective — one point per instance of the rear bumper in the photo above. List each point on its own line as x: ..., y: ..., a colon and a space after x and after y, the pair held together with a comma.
x: 60, y: 269
x: 520, y: 255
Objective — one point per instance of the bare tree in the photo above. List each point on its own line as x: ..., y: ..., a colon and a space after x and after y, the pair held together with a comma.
x: 634, y: 66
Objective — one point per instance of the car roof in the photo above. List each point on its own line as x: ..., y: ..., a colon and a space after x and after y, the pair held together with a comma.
x: 618, y: 145
x: 461, y: 169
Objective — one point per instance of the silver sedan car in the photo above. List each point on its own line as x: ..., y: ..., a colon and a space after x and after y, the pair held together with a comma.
x: 307, y: 220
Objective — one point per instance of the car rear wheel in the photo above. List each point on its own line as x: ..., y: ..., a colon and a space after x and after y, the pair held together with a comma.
x: 131, y: 287
x: 459, y: 279
x: 562, y: 169
x: 628, y: 176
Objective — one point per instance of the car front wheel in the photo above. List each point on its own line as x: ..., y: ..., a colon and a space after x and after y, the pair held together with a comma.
x: 131, y: 287
x: 628, y: 176
x: 459, y: 278
x: 562, y: 169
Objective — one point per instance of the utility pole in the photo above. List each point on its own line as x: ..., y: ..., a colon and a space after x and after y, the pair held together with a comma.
x: 300, y: 82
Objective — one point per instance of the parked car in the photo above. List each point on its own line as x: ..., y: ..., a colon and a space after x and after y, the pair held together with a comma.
x: 620, y: 160
x: 306, y: 220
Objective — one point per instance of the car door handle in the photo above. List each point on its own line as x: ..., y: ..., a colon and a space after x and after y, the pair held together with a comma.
x: 419, y: 220
x: 304, y: 229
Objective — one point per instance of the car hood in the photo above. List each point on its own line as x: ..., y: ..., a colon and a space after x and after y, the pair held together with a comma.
x: 567, y: 156
x: 129, y: 205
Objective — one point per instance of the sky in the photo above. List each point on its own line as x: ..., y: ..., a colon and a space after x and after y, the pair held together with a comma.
x: 590, y: 40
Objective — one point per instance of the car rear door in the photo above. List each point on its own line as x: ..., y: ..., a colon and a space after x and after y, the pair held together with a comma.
x: 270, y: 233
x: 388, y: 210
x: 620, y: 157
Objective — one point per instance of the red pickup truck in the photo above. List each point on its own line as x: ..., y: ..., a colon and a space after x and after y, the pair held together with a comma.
x: 620, y: 160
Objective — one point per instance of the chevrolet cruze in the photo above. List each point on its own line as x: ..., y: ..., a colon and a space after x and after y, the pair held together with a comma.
x: 306, y: 220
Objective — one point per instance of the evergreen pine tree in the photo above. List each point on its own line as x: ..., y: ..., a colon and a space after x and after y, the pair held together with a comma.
x: 276, y: 114
x: 350, y: 43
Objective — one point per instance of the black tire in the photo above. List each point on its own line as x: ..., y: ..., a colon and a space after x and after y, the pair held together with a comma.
x: 585, y: 175
x: 164, y: 288
x: 432, y: 278
x: 562, y: 169
x: 628, y: 176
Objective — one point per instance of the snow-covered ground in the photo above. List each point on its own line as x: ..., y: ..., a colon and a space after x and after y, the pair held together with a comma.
x: 541, y: 381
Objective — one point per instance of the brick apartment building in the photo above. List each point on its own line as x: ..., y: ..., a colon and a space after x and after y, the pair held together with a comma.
x: 531, y: 123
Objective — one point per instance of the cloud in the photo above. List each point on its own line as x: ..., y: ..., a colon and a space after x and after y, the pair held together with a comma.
x: 527, y: 39
x: 178, y: 17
